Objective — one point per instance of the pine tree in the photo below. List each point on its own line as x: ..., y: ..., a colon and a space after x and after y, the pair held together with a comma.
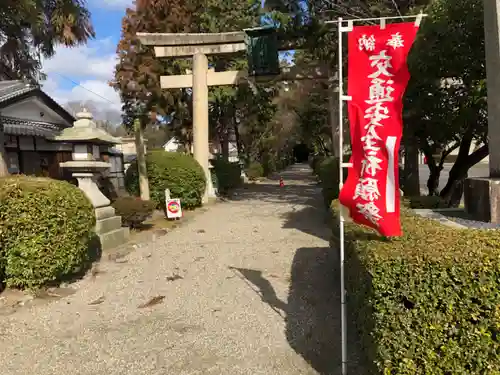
x: 30, y: 29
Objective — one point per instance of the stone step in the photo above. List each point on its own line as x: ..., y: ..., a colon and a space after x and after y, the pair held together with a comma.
x: 104, y: 212
x: 114, y: 238
x: 109, y: 224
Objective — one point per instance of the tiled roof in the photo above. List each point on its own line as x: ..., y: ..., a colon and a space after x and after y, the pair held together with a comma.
x: 15, y: 126
x: 11, y: 89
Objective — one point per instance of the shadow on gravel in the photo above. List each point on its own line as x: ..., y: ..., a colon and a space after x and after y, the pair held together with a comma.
x: 308, y: 213
x: 272, y: 193
x: 312, y: 312
x: 313, y: 320
x: 313, y: 326
x: 312, y: 218
x: 264, y: 288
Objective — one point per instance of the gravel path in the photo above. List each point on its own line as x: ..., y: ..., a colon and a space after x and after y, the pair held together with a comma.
x: 248, y: 287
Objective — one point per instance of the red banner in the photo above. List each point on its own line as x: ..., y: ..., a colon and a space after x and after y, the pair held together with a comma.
x: 377, y: 79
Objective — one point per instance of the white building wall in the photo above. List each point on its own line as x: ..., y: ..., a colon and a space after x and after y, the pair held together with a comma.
x: 33, y: 109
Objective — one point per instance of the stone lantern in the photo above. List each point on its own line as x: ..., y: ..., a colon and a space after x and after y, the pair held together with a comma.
x: 86, y: 167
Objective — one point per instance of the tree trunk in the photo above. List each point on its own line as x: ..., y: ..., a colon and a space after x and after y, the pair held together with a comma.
x: 225, y: 146
x: 433, y: 181
x: 4, y: 170
x: 334, y: 125
x: 141, y: 160
x: 460, y: 169
x: 237, y: 138
x: 434, y: 171
x: 412, y: 179
x: 324, y: 149
x: 457, y: 192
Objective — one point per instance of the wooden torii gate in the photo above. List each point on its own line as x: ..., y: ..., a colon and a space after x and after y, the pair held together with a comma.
x: 198, y: 46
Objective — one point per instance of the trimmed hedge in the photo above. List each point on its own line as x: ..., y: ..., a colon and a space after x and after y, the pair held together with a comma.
x: 254, y: 171
x: 228, y: 175
x: 46, y: 228
x: 427, y: 302
x: 274, y: 162
x: 283, y: 162
x: 425, y: 202
x: 269, y: 164
x: 133, y: 210
x: 180, y: 173
x: 328, y: 174
x: 316, y: 162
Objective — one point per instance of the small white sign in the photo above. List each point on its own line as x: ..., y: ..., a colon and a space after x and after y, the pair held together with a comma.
x: 174, y: 209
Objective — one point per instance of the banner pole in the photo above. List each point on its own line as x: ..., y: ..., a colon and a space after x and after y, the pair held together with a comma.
x: 343, y: 314
x: 417, y: 16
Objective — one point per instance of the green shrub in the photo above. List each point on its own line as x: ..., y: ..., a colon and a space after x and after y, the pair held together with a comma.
x: 427, y: 303
x: 133, y: 210
x: 178, y: 172
x: 228, y: 175
x: 283, y: 161
x: 328, y: 174
x: 272, y: 163
x: 316, y: 162
x: 425, y: 202
x: 268, y: 164
x: 213, y: 178
x: 254, y: 170
x: 46, y: 228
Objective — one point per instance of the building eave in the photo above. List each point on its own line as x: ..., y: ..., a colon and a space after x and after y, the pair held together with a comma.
x: 24, y: 91
x: 21, y: 127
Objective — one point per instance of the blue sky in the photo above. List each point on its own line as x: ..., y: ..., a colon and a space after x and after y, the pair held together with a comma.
x: 81, y: 74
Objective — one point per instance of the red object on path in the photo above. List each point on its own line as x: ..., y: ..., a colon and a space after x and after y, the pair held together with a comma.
x: 282, y: 183
x: 377, y: 79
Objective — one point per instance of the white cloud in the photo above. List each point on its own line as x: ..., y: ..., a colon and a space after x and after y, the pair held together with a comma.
x: 50, y: 85
x: 97, y: 61
x: 82, y: 74
x: 104, y: 97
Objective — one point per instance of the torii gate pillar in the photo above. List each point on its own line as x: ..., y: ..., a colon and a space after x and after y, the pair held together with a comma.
x: 200, y: 119
x: 482, y: 195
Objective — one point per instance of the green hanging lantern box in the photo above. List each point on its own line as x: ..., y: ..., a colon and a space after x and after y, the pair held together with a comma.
x: 262, y: 51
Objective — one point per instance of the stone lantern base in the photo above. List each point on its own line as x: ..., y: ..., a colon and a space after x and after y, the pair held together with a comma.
x: 108, y: 226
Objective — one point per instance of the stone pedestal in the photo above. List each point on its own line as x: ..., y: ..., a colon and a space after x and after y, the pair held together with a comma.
x: 109, y: 228
x: 108, y: 225
x: 482, y: 198
x: 482, y: 195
